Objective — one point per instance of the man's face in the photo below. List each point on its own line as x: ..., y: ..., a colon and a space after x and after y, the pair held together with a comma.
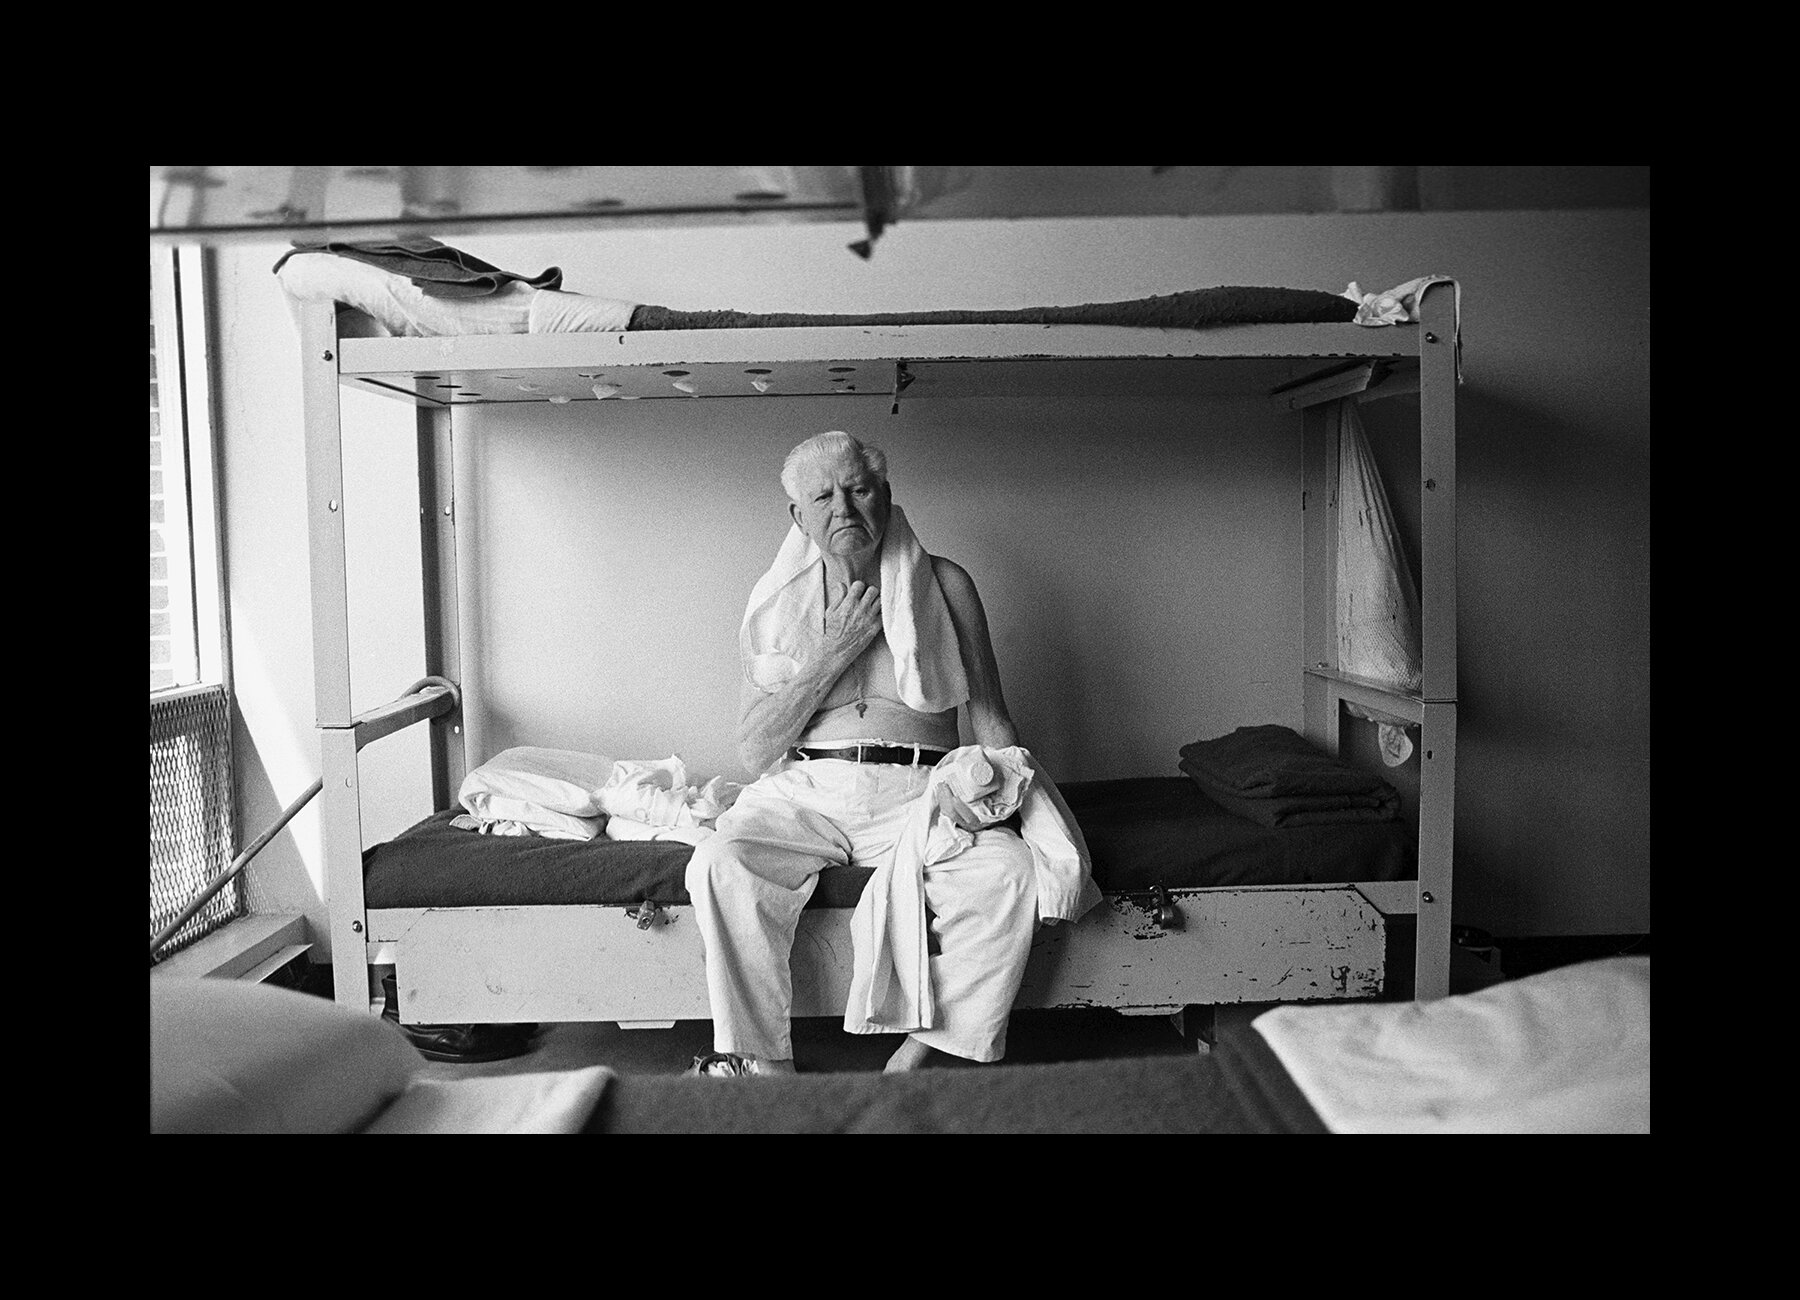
x: 842, y: 508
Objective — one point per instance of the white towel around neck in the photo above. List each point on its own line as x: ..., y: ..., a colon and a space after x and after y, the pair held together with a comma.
x: 914, y: 616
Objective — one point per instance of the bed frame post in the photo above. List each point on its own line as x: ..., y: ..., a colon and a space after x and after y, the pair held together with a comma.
x: 341, y: 797
x: 1318, y: 601
x: 1437, y: 607
x: 340, y: 794
x: 1437, y: 474
x: 325, y: 517
x: 437, y: 557
x: 1437, y: 815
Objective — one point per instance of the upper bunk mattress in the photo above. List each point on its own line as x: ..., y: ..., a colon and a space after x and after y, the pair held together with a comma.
x: 1141, y: 832
x: 421, y: 288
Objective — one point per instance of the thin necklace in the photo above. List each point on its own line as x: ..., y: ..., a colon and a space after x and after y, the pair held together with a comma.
x: 862, y: 674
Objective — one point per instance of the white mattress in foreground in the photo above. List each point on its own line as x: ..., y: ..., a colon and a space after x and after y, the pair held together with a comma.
x: 1565, y: 1051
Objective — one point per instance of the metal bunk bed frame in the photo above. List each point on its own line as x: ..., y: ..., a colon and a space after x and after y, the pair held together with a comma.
x: 1334, y: 935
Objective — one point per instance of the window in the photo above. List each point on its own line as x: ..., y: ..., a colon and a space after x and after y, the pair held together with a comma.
x: 191, y: 831
x: 186, y: 647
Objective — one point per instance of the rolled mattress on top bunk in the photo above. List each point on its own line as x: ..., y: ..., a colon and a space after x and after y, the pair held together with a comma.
x: 418, y: 287
x: 1141, y: 832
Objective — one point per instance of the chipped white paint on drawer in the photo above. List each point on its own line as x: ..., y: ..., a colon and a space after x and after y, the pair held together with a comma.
x: 1233, y: 945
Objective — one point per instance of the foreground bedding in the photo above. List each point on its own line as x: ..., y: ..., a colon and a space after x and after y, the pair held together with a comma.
x: 1141, y: 832
x: 236, y: 1057
x: 1565, y: 1051
x: 1239, y: 1088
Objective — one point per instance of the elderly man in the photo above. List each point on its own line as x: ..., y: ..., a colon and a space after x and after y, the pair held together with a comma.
x: 859, y: 648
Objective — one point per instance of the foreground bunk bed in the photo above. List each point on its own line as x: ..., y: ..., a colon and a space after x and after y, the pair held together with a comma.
x: 1563, y: 1051
x: 1202, y: 906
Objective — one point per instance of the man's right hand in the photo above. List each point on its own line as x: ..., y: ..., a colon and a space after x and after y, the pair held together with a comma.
x: 770, y: 722
x: 854, y: 621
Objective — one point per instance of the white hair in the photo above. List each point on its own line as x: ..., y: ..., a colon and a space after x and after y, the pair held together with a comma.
x: 827, y: 449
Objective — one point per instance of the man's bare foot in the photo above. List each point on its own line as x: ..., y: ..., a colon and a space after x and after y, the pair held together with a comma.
x: 911, y: 1055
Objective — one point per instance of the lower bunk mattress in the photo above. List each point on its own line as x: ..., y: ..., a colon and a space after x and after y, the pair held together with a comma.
x: 1142, y: 833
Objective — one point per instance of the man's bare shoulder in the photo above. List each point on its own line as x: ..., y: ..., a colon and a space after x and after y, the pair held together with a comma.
x: 951, y: 575
x: 959, y: 591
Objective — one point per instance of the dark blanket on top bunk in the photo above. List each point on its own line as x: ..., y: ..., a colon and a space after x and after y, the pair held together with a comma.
x: 1240, y: 1087
x: 1192, y: 309
x: 440, y: 271
x: 437, y: 269
x: 1141, y: 832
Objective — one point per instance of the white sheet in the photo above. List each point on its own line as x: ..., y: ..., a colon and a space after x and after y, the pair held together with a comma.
x: 555, y: 312
x: 624, y: 828
x: 1565, y: 1051
x: 1400, y: 305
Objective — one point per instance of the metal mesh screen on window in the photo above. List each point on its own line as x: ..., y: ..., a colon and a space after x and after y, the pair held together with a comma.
x: 190, y: 813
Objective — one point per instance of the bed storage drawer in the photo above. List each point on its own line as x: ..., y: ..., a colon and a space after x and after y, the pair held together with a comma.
x: 486, y: 965
x: 510, y: 964
x: 1272, y: 944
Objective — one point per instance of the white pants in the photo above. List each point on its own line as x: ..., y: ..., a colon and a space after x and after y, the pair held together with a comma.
x: 750, y: 880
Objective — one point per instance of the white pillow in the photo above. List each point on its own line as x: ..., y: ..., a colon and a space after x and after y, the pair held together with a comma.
x: 233, y: 1057
x: 496, y: 814
x: 557, y: 780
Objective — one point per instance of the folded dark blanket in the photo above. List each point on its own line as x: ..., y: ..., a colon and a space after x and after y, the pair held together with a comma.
x: 439, y: 270
x: 1192, y: 309
x: 1269, y: 760
x: 1283, y: 811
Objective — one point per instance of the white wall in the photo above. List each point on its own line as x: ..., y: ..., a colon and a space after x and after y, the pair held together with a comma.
x: 608, y: 547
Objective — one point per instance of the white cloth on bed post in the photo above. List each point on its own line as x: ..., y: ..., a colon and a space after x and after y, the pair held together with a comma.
x: 1377, y: 599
